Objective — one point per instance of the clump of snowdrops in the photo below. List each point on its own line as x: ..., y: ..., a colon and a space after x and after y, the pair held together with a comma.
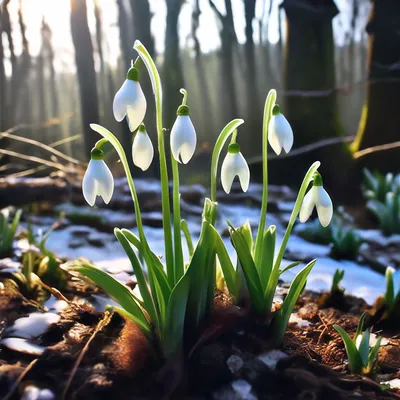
x: 177, y: 297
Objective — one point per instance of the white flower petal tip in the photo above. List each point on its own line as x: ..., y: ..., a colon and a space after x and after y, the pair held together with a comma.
x: 280, y: 134
x: 235, y: 165
x: 130, y: 101
x: 317, y: 197
x: 142, y: 150
x: 98, y: 181
x: 183, y: 139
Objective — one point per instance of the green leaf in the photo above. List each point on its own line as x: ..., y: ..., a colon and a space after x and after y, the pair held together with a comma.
x: 364, y: 347
x: 360, y: 326
x: 290, y: 266
x: 226, y: 264
x: 389, y: 295
x: 249, y: 269
x: 148, y: 298
x: 188, y: 237
x: 113, y: 288
x: 176, y: 312
x: 374, y: 352
x: 144, y: 326
x: 355, y: 361
x: 267, y: 255
x: 282, y: 316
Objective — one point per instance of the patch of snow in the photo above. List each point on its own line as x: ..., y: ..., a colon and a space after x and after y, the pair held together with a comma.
x: 32, y: 326
x: 23, y: 346
x: 295, y: 319
x: 34, y: 393
x: 242, y: 388
x: 394, y: 383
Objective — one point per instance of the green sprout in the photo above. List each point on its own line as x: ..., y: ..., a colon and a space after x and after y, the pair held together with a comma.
x: 376, y: 186
x: 177, y: 299
x: 337, y: 278
x: 7, y: 233
x: 391, y: 299
x: 362, y: 358
x: 387, y: 213
x: 345, y: 242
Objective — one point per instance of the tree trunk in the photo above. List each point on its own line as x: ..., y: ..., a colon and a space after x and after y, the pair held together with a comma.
x: 86, y: 71
x: 380, y: 119
x: 124, y: 34
x: 172, y: 69
x: 141, y: 16
x: 3, y: 82
x: 310, y: 66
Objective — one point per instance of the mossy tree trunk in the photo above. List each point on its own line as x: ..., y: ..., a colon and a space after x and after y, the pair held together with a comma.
x: 380, y: 121
x: 86, y: 71
x: 310, y: 66
x: 172, y: 69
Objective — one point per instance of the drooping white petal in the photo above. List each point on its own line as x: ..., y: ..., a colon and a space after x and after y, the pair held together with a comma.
x: 307, y: 205
x: 183, y: 139
x: 98, y: 181
x: 324, y: 206
x: 235, y: 165
x: 358, y: 341
x: 280, y: 134
x: 89, y: 185
x: 142, y: 151
x: 130, y: 101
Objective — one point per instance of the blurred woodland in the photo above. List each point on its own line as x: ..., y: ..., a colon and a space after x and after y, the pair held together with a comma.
x: 341, y: 96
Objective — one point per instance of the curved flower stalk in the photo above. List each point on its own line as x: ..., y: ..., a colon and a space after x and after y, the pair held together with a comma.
x: 98, y: 180
x: 280, y: 132
x: 142, y: 149
x: 233, y: 165
x: 183, y: 135
x: 317, y: 197
x: 129, y: 101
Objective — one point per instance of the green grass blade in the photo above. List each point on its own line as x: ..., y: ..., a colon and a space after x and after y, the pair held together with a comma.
x: 290, y: 266
x: 389, y: 295
x: 267, y: 253
x: 144, y: 326
x: 188, y: 237
x: 355, y: 361
x: 374, y: 351
x: 364, y: 347
x: 282, y: 316
x: 360, y: 326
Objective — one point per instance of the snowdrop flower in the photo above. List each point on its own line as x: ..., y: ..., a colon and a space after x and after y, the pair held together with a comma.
x: 98, y: 180
x: 142, y: 149
x: 183, y: 135
x: 233, y: 165
x: 280, y: 134
x: 318, y: 197
x: 129, y: 101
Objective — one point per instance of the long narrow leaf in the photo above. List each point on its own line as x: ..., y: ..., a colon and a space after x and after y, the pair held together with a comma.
x: 355, y: 362
x: 374, y: 351
x: 360, y: 326
x: 144, y: 326
x: 282, y: 316
x: 148, y: 298
x: 115, y: 289
x: 364, y: 347
x: 290, y: 266
x: 249, y: 269
x: 267, y: 255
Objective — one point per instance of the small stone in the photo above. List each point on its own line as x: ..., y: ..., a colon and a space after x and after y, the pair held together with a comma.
x: 271, y: 358
x: 394, y: 383
x: 95, y: 240
x: 234, y: 363
x: 242, y: 388
x: 33, y: 393
x: 80, y: 232
x: 76, y: 243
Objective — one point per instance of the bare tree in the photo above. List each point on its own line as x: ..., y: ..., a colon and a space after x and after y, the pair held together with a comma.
x: 3, y: 81
x: 172, y: 68
x: 86, y: 71
x: 228, y: 42
x: 380, y: 120
x: 124, y: 33
x: 141, y: 16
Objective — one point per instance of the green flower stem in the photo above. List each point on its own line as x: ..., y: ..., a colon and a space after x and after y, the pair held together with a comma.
x: 184, y: 100
x: 100, y: 143
x: 179, y: 267
x: 269, y: 105
x: 229, y: 129
x: 303, y: 188
x: 185, y: 230
x: 166, y: 209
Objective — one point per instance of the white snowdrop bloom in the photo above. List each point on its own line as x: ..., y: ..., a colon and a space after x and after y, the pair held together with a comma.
x: 98, y: 180
x: 142, y: 149
x: 129, y: 101
x: 318, y: 197
x: 233, y: 165
x: 280, y: 133
x: 183, y: 136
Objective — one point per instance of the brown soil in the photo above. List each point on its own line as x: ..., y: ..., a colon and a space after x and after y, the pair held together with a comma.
x: 117, y: 360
